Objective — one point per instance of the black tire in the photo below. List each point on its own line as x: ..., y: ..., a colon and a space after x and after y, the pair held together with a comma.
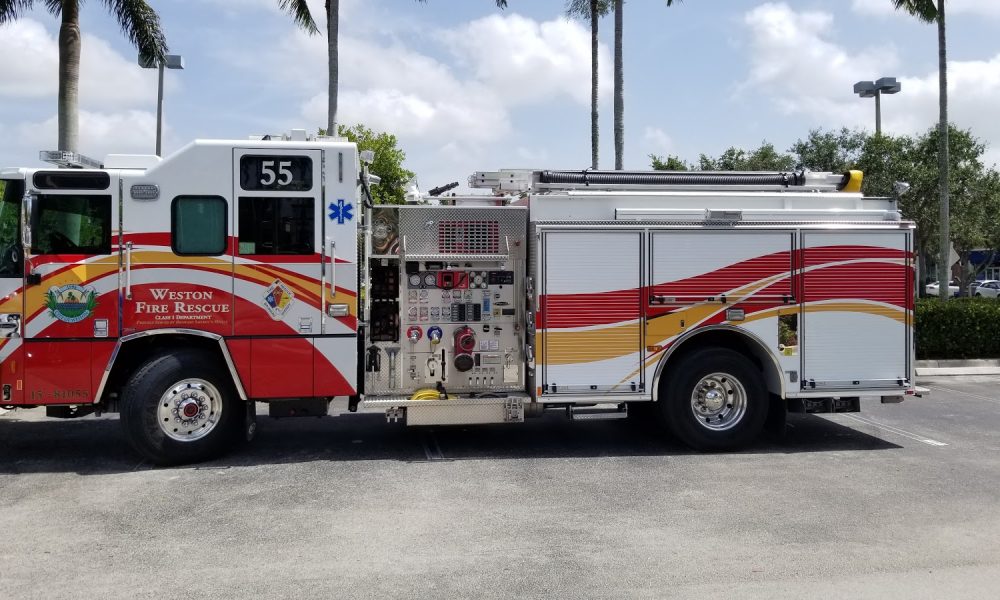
x: 677, y: 404
x: 140, y: 406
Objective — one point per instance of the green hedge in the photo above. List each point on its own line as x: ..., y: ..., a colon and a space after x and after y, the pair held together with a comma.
x: 959, y: 328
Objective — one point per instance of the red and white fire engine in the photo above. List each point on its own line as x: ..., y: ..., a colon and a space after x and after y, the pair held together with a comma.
x: 180, y: 292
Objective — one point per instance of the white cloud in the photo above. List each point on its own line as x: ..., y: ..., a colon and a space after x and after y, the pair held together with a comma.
x: 657, y: 140
x: 794, y: 61
x: 530, y: 61
x: 791, y: 58
x: 500, y: 63
x: 107, y: 79
x: 101, y: 133
x: 986, y: 8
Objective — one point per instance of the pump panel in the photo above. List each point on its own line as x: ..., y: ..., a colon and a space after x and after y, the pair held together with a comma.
x: 446, y: 300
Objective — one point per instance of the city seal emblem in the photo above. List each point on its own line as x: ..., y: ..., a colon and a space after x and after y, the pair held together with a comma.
x: 71, y: 303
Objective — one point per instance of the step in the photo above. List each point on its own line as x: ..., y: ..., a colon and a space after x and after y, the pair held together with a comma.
x: 598, y: 412
x: 451, y: 411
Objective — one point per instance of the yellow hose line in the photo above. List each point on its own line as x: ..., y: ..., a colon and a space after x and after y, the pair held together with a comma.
x: 428, y: 394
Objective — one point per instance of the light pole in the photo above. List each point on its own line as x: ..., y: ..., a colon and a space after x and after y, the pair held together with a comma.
x: 170, y: 61
x: 869, y: 89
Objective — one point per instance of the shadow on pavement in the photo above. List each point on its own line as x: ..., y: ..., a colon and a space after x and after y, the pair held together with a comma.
x: 97, y: 446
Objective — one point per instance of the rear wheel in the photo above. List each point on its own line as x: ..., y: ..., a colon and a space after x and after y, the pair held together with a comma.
x: 714, y: 399
x: 181, y: 407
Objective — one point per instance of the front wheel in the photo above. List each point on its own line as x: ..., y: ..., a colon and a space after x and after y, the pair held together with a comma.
x: 714, y: 399
x: 181, y: 407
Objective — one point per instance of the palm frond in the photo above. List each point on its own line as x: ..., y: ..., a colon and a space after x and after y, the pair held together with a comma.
x: 141, y: 25
x: 11, y: 10
x: 581, y: 8
x: 299, y: 10
x: 925, y: 10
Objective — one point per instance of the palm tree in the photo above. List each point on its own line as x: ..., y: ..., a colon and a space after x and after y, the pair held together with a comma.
x: 927, y: 11
x: 138, y: 21
x: 619, y: 88
x: 591, y: 10
x: 299, y: 10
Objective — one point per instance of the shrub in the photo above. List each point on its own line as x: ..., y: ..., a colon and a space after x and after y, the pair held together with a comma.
x: 959, y: 328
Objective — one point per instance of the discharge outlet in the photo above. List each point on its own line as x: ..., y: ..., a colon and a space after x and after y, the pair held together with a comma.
x: 465, y: 344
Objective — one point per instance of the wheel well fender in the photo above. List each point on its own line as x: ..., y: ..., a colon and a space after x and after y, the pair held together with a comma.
x: 724, y: 336
x: 133, y: 350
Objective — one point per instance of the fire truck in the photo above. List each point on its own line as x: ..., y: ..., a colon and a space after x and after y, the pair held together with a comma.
x: 181, y: 292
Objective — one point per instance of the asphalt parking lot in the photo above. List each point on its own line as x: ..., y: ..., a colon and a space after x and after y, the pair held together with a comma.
x: 897, y: 501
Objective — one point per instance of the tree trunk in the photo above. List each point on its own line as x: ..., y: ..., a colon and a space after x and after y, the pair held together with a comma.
x: 944, y: 268
x: 619, y: 91
x: 332, y: 29
x: 594, y: 129
x: 69, y: 77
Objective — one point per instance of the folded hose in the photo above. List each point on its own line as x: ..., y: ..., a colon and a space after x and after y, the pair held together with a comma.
x: 430, y: 394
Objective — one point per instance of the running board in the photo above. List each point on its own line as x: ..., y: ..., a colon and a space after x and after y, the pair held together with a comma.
x: 597, y: 412
x: 451, y: 411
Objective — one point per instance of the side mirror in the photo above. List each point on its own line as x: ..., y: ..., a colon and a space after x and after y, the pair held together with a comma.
x: 27, y: 213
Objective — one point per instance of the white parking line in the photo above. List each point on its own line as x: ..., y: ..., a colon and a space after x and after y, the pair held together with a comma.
x: 961, y: 393
x: 907, y: 434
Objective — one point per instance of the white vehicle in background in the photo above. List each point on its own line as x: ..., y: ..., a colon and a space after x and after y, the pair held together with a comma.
x: 931, y: 289
x: 989, y: 288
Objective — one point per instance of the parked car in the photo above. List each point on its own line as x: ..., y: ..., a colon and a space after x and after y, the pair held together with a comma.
x: 989, y: 288
x: 931, y: 289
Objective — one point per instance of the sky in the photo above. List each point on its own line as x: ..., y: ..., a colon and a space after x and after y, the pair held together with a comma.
x: 467, y: 87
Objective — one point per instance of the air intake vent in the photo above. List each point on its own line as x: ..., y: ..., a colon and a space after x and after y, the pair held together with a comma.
x: 468, y: 237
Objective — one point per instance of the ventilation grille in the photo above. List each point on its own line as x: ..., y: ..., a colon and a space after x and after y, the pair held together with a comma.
x: 469, y: 237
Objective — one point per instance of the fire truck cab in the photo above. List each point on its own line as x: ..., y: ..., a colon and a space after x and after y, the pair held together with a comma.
x: 181, y: 291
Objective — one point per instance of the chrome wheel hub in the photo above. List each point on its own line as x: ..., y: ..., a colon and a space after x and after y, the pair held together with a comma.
x: 719, y: 401
x: 189, y: 410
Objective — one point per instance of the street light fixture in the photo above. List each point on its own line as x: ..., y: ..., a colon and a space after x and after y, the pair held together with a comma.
x: 875, y: 89
x: 170, y: 61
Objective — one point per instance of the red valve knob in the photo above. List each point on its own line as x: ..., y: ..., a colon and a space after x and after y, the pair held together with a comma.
x: 465, y: 340
x: 465, y: 344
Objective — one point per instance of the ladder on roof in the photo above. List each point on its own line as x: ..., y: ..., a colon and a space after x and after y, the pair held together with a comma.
x: 516, y: 181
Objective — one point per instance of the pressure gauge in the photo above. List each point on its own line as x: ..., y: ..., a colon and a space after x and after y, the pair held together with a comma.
x: 477, y: 280
x: 414, y: 279
x: 430, y: 279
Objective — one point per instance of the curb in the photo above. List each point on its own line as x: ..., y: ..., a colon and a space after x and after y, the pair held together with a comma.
x: 929, y: 368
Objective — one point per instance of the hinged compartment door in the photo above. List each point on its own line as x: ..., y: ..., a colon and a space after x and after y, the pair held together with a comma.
x: 589, y: 322
x: 857, y: 301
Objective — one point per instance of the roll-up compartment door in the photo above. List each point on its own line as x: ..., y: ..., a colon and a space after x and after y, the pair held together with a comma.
x: 857, y: 298
x: 590, y: 312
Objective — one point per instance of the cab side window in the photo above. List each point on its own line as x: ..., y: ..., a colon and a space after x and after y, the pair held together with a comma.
x: 198, y: 225
x: 72, y: 224
x: 271, y: 225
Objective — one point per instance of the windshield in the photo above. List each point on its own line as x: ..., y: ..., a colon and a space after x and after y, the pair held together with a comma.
x: 11, y: 192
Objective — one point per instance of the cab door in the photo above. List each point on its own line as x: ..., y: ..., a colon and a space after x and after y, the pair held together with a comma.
x: 71, y: 301
x: 278, y: 256
x: 11, y: 291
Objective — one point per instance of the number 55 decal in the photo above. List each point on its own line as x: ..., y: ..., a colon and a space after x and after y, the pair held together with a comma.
x: 283, y: 175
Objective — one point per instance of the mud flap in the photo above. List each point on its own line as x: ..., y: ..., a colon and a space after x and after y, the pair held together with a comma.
x: 777, y: 416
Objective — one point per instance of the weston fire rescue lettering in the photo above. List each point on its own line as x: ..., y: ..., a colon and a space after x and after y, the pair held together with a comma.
x: 181, y: 303
x: 181, y: 292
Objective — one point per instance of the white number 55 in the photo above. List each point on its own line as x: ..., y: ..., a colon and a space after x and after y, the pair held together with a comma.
x: 285, y: 174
